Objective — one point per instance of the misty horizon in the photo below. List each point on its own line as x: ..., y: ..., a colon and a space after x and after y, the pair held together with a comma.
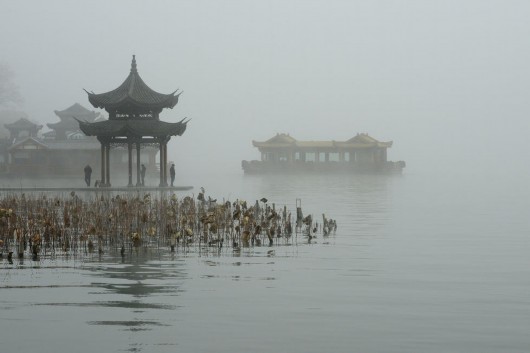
x: 441, y: 80
x: 433, y: 259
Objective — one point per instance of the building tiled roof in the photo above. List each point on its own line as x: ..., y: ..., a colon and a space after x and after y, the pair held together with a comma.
x: 133, y: 91
x: 64, y: 125
x: 29, y: 140
x: 133, y: 127
x: 23, y: 123
x: 78, y: 111
x: 68, y: 123
x: 85, y: 144
x: 284, y: 140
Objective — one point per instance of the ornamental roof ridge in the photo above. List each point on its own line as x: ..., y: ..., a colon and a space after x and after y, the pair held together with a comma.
x: 281, y: 138
x: 133, y: 91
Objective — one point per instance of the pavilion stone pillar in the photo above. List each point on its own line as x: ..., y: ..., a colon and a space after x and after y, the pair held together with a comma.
x: 138, y: 177
x: 103, y: 164
x: 107, y: 165
x: 165, y: 164
x: 129, y: 152
x: 161, y: 164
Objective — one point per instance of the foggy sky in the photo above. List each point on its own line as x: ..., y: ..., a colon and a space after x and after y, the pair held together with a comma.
x: 447, y: 81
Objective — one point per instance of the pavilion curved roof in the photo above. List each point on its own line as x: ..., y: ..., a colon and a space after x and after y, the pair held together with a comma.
x: 78, y: 111
x: 132, y: 127
x: 133, y: 91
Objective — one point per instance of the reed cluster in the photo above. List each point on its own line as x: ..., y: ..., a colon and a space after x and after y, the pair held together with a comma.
x: 43, y: 225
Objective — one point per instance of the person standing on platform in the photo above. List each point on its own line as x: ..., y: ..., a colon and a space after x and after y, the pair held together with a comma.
x: 88, y: 174
x: 142, y: 174
x: 172, y: 173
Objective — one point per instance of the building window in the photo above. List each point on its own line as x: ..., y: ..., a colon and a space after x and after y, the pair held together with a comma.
x: 310, y: 157
x: 297, y: 156
x: 269, y: 156
x: 334, y: 157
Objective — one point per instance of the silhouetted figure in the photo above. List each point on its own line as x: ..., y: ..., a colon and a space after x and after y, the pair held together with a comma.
x: 172, y: 173
x: 88, y: 174
x: 142, y: 174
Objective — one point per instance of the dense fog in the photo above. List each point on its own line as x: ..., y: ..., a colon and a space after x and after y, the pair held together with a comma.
x: 447, y: 81
x: 433, y: 260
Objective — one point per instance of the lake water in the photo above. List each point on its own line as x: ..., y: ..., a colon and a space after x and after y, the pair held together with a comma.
x: 419, y: 263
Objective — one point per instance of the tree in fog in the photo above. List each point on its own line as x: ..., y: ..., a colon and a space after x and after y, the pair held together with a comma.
x: 10, y: 99
x: 9, y: 93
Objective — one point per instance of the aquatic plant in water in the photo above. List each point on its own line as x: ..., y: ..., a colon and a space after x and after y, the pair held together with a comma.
x: 43, y: 225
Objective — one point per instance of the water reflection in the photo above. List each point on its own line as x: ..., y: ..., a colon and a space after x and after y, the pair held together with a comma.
x: 117, y: 304
x: 132, y: 325
x: 360, y: 203
x: 148, y: 284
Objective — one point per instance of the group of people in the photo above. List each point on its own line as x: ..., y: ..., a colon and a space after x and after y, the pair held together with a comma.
x: 143, y: 169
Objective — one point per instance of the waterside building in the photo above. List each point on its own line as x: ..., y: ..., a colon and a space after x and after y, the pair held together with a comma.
x: 61, y: 152
x: 284, y: 153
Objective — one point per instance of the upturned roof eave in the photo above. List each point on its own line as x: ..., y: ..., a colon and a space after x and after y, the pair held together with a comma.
x: 98, y: 102
x: 272, y: 145
x: 19, y: 143
x: 133, y: 90
x: 124, y: 128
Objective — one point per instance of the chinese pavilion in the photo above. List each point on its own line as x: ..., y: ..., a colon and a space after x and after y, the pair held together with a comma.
x: 361, y: 153
x: 134, y: 111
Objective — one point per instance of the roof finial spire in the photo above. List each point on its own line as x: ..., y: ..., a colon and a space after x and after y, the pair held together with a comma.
x: 133, y: 65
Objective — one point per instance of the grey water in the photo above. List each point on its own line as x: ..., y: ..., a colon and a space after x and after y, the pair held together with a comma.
x: 421, y: 262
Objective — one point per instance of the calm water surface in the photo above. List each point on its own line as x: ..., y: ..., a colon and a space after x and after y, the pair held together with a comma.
x: 419, y: 263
